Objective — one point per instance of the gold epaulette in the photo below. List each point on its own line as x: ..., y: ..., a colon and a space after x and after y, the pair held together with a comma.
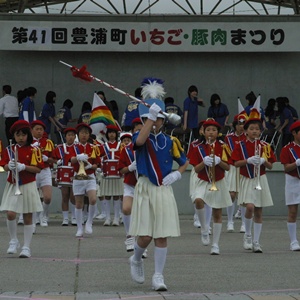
x: 176, y: 148
x: 36, y: 157
x: 49, y: 146
x: 95, y: 151
x: 266, y: 152
x: 226, y: 152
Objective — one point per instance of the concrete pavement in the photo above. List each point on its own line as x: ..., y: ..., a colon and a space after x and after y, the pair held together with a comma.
x: 96, y: 267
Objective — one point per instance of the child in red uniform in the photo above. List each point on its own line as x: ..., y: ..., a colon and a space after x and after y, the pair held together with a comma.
x: 289, y: 157
x: 63, y: 153
x: 253, y: 156
x: 210, y: 162
x: 29, y: 163
x: 88, y: 155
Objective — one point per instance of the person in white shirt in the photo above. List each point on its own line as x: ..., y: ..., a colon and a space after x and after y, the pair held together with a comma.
x: 9, y: 108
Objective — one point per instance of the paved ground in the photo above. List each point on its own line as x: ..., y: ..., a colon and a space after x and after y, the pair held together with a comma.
x: 96, y: 267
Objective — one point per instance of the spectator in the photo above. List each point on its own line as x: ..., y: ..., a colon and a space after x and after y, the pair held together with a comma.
x: 286, y: 120
x: 172, y: 108
x: 218, y: 110
x: 103, y: 98
x: 291, y: 108
x: 115, y: 109
x: 9, y: 108
x: 270, y: 114
x: 86, y: 111
x: 27, y: 110
x: 131, y: 111
x: 190, y: 108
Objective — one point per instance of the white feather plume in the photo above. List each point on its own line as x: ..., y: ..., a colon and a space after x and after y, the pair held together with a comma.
x: 153, y: 90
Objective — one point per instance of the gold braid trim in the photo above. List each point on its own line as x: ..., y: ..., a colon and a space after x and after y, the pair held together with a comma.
x: 266, y: 152
x: 36, y: 156
x: 176, y: 148
x: 49, y: 146
x: 226, y: 152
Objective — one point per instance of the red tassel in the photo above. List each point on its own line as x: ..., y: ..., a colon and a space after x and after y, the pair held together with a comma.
x: 82, y: 73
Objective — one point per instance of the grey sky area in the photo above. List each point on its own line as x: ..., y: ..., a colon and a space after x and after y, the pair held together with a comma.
x: 163, y: 7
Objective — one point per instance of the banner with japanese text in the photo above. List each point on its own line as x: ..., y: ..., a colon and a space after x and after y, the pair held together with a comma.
x: 150, y: 36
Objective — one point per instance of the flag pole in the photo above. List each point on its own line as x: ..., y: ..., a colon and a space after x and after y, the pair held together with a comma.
x: 173, y: 118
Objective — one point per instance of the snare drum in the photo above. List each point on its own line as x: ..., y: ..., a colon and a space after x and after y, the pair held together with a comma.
x: 110, y: 168
x: 65, y: 175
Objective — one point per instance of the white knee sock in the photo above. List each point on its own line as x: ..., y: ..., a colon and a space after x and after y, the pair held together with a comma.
x: 72, y: 206
x: 292, y: 229
x: 65, y: 214
x: 248, y: 225
x: 117, y: 209
x: 78, y: 215
x: 92, y: 209
x: 138, y: 252
x: 257, y: 230
x: 126, y: 221
x: 12, y: 229
x: 208, y: 212
x: 107, y: 208
x: 28, y: 231
x: 46, y: 209
x: 202, y: 219
x: 160, y: 256
x: 243, y: 211
x: 217, y: 228
x: 230, y: 211
x: 102, y: 206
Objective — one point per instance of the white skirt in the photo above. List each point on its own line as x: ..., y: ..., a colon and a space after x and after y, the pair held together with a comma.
x: 193, y: 181
x: 28, y: 202
x: 154, y: 211
x: 292, y: 195
x: 248, y: 193
x: 233, y: 179
x: 215, y: 199
x: 111, y: 187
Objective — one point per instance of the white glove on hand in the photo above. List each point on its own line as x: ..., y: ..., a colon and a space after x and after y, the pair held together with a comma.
x: 45, y: 157
x: 253, y: 160
x: 82, y: 157
x: 99, y: 170
x: 171, y: 178
x: 208, y: 160
x: 298, y: 162
x: 153, y: 112
x: 132, y: 166
x: 262, y: 161
x: 35, y: 144
x: 88, y: 166
x: 217, y: 160
x: 59, y: 162
x: 20, y: 167
x: 11, y: 165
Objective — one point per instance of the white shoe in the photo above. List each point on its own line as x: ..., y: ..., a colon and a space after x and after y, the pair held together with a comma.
x: 243, y: 228
x: 294, y: 246
x: 145, y: 254
x: 65, y: 222
x: 107, y: 222
x: 256, y: 247
x: 88, y: 228
x: 20, y: 220
x: 197, y: 223
x: 44, y: 222
x: 116, y: 222
x: 101, y: 217
x: 158, y: 282
x: 238, y: 214
x: 215, y: 250
x: 205, y: 239
x: 230, y: 227
x: 137, y: 270
x: 79, y: 233
x: 25, y: 253
x: 247, y: 242
x: 13, y: 246
x: 73, y: 222
x: 130, y: 243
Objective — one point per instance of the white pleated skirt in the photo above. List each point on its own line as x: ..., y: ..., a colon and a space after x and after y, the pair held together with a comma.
x: 215, y: 199
x: 111, y: 187
x: 248, y: 193
x: 233, y: 179
x: 193, y: 181
x: 292, y: 194
x: 154, y: 211
x: 28, y: 202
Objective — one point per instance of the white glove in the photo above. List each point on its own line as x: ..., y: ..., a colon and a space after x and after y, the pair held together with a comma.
x: 153, y: 112
x: 45, y: 158
x: 208, y: 160
x: 171, y: 178
x: 253, y: 160
x: 298, y: 162
x: 88, y: 166
x: 20, y: 167
x: 59, y: 162
x: 132, y: 166
x: 99, y: 170
x: 11, y: 165
x: 35, y: 144
x: 217, y: 160
x: 82, y: 157
x: 262, y: 161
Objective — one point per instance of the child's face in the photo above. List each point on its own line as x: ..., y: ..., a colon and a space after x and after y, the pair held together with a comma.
x: 239, y: 128
x: 158, y: 124
x: 211, y: 133
x: 126, y: 141
x: 137, y: 127
x: 37, y: 131
x: 70, y: 137
x: 201, y: 130
x: 194, y: 94
x: 112, y: 136
x: 20, y: 138
x: 296, y: 136
x: 253, y: 131
x: 83, y: 135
